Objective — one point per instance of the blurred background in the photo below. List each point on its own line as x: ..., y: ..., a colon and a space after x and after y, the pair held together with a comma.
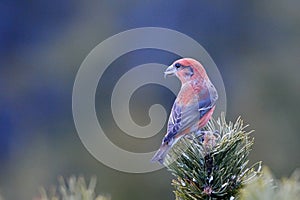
x: 255, y: 45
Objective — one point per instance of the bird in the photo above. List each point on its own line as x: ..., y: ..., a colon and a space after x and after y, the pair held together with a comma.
x: 193, y: 106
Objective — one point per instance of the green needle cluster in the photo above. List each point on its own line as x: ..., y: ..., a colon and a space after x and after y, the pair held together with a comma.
x: 214, y: 164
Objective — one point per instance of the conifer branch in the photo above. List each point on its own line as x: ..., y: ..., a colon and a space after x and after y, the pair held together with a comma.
x: 268, y: 188
x: 213, y: 165
x: 72, y: 189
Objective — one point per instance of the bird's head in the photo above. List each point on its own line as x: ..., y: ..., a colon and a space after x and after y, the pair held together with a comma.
x: 186, y: 69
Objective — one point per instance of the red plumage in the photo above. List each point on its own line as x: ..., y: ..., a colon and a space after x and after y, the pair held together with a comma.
x: 194, y: 105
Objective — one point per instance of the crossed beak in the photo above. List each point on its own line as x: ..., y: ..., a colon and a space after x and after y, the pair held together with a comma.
x: 170, y: 71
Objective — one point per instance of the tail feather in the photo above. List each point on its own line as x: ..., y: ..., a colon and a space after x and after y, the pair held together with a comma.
x: 161, y: 154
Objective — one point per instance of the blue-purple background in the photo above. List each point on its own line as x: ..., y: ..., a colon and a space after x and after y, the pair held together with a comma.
x: 255, y: 44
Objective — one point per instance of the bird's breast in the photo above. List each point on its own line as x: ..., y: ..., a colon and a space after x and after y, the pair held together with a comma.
x: 188, y: 95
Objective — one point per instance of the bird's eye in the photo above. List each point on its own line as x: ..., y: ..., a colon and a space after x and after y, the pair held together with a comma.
x: 177, y: 65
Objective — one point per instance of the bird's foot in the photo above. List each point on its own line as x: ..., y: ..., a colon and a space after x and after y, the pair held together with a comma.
x: 203, y: 134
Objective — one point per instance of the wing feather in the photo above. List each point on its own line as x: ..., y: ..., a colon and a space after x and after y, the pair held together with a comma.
x: 185, y: 116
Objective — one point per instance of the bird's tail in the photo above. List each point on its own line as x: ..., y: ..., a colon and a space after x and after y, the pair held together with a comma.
x: 161, y: 153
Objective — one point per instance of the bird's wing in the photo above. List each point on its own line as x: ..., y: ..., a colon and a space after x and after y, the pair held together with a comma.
x: 185, y: 116
x: 175, y: 121
x: 207, y: 99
